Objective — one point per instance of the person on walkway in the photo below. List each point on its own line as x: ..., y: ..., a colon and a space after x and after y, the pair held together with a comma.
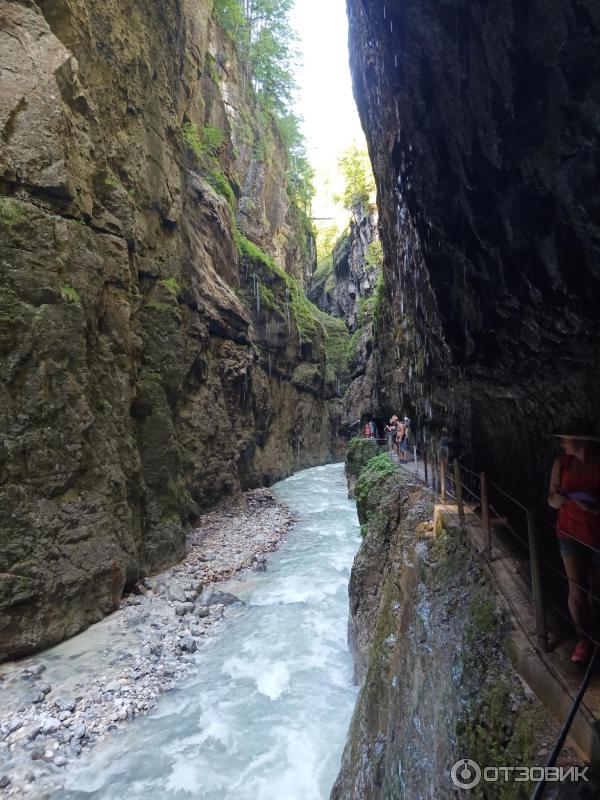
x: 390, y: 432
x: 575, y: 491
x: 402, y: 440
x: 373, y: 429
x: 367, y: 430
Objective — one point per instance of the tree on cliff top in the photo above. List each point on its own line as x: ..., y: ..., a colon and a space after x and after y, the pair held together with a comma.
x: 355, y: 166
x: 266, y: 44
x: 262, y: 32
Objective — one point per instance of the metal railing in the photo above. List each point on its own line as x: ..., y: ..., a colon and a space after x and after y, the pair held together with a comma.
x: 471, y: 491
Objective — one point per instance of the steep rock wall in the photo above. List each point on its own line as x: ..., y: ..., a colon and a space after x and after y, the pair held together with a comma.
x: 355, y: 264
x: 140, y: 381
x: 482, y: 125
x: 428, y: 635
x: 344, y: 286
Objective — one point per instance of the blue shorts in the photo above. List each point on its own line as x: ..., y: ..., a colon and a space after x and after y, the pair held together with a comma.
x: 571, y: 547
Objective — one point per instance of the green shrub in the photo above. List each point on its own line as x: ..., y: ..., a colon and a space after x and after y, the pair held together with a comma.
x: 211, y: 68
x: 113, y: 182
x: 221, y: 185
x: 171, y: 286
x: 164, y: 308
x: 69, y: 294
x: 372, y: 474
x: 213, y: 140
x: 207, y: 142
x: 192, y: 138
x: 279, y: 288
x: 374, y: 255
x: 10, y: 212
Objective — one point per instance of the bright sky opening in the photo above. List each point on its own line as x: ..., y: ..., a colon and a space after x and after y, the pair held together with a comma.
x: 325, y: 99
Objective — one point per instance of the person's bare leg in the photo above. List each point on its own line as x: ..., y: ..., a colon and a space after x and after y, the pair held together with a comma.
x: 579, y: 608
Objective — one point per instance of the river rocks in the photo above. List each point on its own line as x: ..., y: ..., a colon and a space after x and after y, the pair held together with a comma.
x: 188, y: 644
x: 212, y: 598
x: 34, y: 697
x: 50, y: 725
x: 161, y: 637
x: 64, y: 704
x: 183, y: 608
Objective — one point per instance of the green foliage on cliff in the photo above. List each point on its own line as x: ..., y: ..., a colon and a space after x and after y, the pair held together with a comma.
x: 69, y: 294
x: 171, y: 286
x: 358, y: 453
x: 323, y: 278
x: 355, y: 166
x: 372, y: 474
x: 10, y: 212
x: 265, y: 42
x: 206, y: 145
x: 300, y: 174
x: 336, y: 345
x: 369, y: 312
x: 207, y: 142
x: 221, y: 185
x: 374, y: 255
x: 281, y: 293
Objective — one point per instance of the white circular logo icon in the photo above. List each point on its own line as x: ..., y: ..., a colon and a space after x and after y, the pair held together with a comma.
x: 465, y: 773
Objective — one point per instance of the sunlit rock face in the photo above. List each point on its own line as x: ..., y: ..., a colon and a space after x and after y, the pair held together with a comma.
x: 348, y: 291
x: 141, y: 382
x: 356, y: 263
x: 483, y: 125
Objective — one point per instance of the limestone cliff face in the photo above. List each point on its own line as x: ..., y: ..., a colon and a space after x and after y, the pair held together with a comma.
x: 355, y: 266
x: 345, y: 286
x: 482, y: 124
x: 141, y: 380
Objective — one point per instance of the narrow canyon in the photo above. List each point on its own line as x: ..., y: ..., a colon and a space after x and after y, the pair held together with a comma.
x: 188, y: 354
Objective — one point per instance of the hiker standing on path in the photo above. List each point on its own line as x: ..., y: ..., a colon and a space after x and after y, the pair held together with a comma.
x: 402, y: 440
x: 575, y: 492
x: 390, y: 432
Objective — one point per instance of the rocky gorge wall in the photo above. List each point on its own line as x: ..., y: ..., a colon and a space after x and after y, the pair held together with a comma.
x: 347, y: 284
x: 430, y: 638
x: 482, y: 126
x: 154, y: 357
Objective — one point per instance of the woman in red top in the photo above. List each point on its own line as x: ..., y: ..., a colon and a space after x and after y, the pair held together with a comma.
x: 575, y: 492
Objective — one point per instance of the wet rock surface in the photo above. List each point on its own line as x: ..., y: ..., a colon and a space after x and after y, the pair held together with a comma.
x: 66, y: 700
x: 141, y: 383
x: 482, y: 126
x: 428, y: 633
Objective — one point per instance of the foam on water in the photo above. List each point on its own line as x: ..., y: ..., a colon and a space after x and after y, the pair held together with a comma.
x: 266, y: 715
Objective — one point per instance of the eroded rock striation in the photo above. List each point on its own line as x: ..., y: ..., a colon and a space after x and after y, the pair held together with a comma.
x: 482, y: 125
x: 142, y: 210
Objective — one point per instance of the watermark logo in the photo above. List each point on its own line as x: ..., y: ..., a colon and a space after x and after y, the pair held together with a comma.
x: 467, y: 774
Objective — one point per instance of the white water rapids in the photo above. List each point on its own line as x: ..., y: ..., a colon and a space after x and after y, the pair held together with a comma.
x: 266, y: 714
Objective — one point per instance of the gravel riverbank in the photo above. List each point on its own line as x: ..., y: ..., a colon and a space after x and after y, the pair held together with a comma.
x: 64, y: 700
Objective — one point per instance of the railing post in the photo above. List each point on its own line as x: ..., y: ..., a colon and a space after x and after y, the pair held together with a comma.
x: 458, y: 490
x: 485, y: 515
x: 425, y: 466
x: 415, y: 455
x: 541, y: 631
x: 443, y: 481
